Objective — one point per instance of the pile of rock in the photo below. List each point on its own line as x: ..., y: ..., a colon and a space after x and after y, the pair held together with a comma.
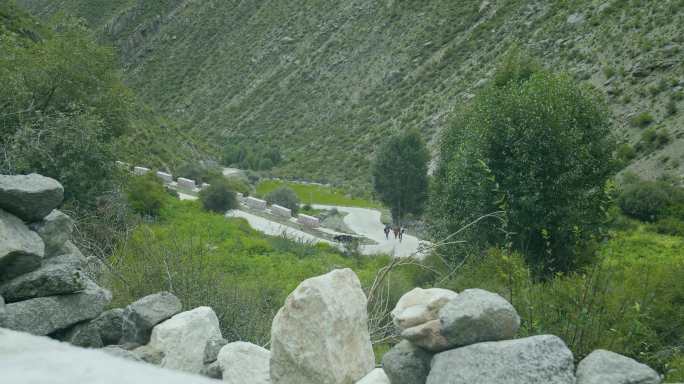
x: 454, y: 338
x: 41, y: 270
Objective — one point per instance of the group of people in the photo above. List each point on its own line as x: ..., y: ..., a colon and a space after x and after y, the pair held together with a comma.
x: 397, y: 230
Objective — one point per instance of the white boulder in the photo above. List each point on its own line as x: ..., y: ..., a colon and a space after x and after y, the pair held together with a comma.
x: 605, y: 367
x: 244, y: 363
x: 183, y: 337
x: 320, y: 335
x: 376, y: 376
x: 420, y: 305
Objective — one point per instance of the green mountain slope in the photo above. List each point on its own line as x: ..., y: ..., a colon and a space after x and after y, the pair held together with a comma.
x: 326, y: 81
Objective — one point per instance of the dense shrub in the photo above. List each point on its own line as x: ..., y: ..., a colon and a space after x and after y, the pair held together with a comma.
x: 198, y: 172
x: 284, y: 197
x: 219, y: 197
x: 642, y: 120
x: 146, y: 194
x: 541, y: 151
x: 670, y: 226
x: 645, y: 200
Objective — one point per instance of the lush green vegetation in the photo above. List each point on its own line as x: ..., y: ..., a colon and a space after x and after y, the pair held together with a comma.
x: 219, y: 197
x: 400, y: 175
x: 285, y: 197
x: 145, y: 194
x: 246, y: 156
x: 316, y: 194
x: 538, y: 149
x: 244, y: 276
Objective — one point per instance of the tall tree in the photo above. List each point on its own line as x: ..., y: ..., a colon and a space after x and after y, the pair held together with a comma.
x: 539, y: 148
x: 400, y: 174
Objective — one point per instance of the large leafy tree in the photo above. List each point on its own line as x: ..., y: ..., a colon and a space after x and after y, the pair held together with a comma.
x: 62, y: 103
x: 400, y: 174
x: 538, y: 147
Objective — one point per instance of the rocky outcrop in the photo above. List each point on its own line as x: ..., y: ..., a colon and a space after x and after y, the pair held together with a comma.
x: 50, y: 280
x: 69, y: 255
x: 117, y: 351
x: 110, y: 326
x: 605, y: 367
x: 27, y: 359
x: 420, y: 305
x: 141, y: 316
x: 84, y: 335
x: 183, y: 337
x: 212, y: 349
x: 45, y: 315
x: 244, y: 363
x: 320, y: 335
x: 21, y: 250
x: 30, y: 197
x: 407, y: 364
x: 376, y: 376
x: 55, y: 230
x: 477, y: 315
x: 532, y: 360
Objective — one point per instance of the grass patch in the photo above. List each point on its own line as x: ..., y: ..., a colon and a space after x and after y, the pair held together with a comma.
x: 316, y: 194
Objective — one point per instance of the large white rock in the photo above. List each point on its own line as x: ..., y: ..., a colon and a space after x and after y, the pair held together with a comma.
x: 183, y: 337
x: 420, y: 305
x: 28, y: 359
x: 320, y: 335
x: 605, y: 367
x: 21, y: 250
x: 30, y: 197
x: 376, y: 376
x: 533, y: 360
x: 244, y: 363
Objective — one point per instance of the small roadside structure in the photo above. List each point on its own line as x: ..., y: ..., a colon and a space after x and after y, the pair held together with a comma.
x: 186, y: 183
x: 165, y: 177
x: 140, y: 170
x: 308, y: 221
x: 281, y: 211
x: 255, y: 203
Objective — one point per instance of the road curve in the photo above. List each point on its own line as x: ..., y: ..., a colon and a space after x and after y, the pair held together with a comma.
x: 366, y: 222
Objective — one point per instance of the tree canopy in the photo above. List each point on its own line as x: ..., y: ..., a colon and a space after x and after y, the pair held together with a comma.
x: 400, y: 174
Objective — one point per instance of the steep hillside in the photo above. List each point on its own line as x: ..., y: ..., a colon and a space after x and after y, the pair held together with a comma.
x: 326, y: 81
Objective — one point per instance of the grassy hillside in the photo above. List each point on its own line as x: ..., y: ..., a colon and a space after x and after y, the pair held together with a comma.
x: 326, y: 81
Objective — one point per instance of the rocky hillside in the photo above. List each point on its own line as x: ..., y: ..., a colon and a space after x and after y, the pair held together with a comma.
x: 327, y: 81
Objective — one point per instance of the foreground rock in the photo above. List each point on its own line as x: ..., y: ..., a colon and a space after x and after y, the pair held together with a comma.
x: 28, y: 359
x: 69, y: 255
x: 140, y: 316
x: 55, y: 230
x: 183, y: 337
x: 533, y: 360
x: 50, y: 280
x: 428, y: 335
x: 83, y: 335
x: 420, y: 305
x: 119, y: 352
x: 476, y: 316
x: 212, y: 349
x: 406, y: 364
x: 30, y: 197
x: 21, y: 250
x: 605, y: 367
x: 45, y: 315
x: 320, y: 335
x: 376, y: 376
x: 110, y: 326
x: 244, y: 363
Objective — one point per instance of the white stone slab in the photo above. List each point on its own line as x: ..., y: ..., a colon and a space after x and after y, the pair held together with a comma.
x: 166, y: 177
x: 140, y: 171
x: 307, y: 220
x: 186, y: 183
x: 255, y: 203
x: 281, y: 211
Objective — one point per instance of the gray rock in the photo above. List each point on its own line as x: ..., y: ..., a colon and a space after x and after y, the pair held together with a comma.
x: 45, y: 315
x: 83, y: 335
x: 212, y: 370
x: 376, y: 376
x: 605, y: 367
x: 2, y: 304
x: 212, y: 349
x: 117, y: 351
x: 427, y: 335
x: 110, y: 326
x: 149, y: 354
x: 406, y: 364
x: 55, y: 230
x: 575, y: 18
x: 533, y: 360
x: 140, y: 316
x: 21, y: 250
x: 31, y: 197
x: 243, y: 362
x: 476, y: 315
x: 50, y: 280
x: 72, y: 257
x: 26, y: 359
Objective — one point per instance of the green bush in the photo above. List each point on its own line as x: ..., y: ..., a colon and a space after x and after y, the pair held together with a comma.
x: 285, y: 197
x: 219, y: 197
x: 642, y: 120
x: 198, y: 172
x: 541, y: 151
x: 645, y: 200
x: 146, y: 194
x: 670, y: 226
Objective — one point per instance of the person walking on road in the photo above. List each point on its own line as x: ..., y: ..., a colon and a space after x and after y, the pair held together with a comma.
x: 387, y: 230
x: 402, y: 230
